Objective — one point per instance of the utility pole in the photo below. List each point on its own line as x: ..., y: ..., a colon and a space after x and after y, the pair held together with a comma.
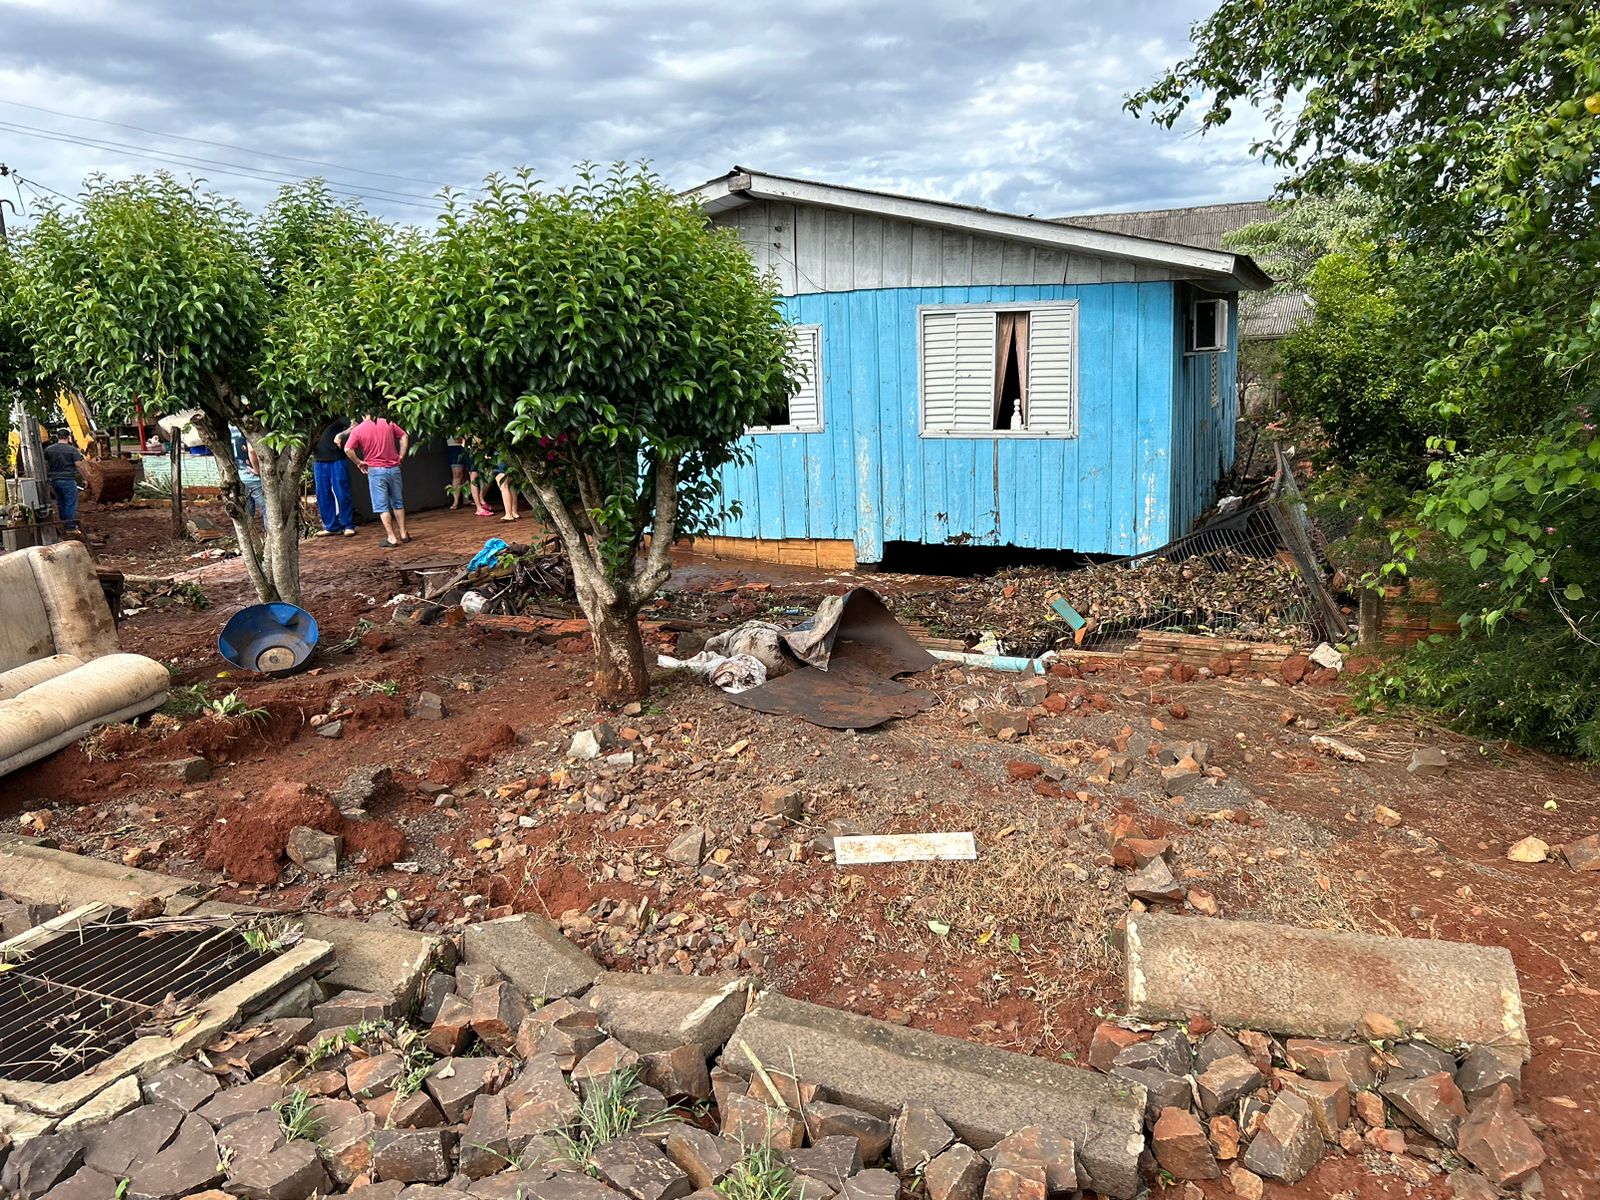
x: 4, y: 171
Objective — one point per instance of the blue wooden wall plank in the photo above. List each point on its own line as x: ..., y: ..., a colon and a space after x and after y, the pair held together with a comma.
x: 1123, y: 484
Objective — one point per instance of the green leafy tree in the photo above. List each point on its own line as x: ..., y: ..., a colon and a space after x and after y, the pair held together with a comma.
x: 1345, y: 370
x: 155, y: 290
x: 604, y: 344
x: 1301, y: 232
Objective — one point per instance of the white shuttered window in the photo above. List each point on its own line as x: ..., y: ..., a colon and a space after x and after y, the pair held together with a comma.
x: 973, y: 386
x: 803, y: 412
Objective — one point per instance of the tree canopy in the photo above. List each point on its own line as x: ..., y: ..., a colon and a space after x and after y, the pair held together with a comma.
x: 605, y: 346
x: 157, y: 292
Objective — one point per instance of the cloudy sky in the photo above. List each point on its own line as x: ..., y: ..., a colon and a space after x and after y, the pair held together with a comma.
x: 1015, y: 105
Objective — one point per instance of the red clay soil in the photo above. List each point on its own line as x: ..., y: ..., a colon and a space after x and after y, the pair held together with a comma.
x: 1290, y: 835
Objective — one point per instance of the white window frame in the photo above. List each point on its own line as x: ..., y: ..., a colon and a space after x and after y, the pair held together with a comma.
x: 1028, y: 306
x: 819, y: 425
x: 1223, y: 316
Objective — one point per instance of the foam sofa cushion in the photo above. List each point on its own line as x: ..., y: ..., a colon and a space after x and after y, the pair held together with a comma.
x: 24, y: 621
x: 112, y: 684
x: 19, y: 679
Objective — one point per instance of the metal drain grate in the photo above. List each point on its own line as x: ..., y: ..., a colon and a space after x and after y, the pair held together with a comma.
x: 77, y: 1000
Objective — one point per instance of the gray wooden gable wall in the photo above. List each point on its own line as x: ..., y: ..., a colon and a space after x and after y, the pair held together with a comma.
x: 813, y: 249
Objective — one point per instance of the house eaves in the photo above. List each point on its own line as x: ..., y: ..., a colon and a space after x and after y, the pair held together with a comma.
x: 743, y: 186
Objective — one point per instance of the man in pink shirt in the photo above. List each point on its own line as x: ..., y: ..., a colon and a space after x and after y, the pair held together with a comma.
x: 376, y: 446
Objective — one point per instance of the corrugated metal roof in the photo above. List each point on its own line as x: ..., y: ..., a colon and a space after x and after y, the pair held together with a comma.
x: 1201, y: 226
x: 1266, y: 316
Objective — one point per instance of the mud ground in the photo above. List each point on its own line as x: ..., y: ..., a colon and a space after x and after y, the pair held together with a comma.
x: 1014, y: 949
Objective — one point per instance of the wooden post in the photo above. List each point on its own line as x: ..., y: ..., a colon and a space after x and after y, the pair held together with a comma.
x: 176, y: 483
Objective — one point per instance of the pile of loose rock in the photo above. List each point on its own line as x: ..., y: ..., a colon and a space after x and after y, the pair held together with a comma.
x: 1253, y: 1106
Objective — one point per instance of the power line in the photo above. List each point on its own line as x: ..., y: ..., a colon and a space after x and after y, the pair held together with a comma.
x: 260, y: 174
x: 178, y: 137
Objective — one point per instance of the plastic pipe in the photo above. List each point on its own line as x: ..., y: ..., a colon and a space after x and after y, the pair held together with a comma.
x: 993, y: 662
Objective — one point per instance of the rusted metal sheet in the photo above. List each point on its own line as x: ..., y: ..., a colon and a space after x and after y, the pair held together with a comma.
x: 853, y: 649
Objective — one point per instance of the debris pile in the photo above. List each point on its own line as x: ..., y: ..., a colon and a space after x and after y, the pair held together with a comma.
x: 1242, y: 595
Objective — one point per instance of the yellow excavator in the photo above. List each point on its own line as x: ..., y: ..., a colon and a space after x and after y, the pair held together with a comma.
x: 107, y: 480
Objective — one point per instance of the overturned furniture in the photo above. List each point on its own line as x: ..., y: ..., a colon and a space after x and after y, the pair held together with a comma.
x: 61, y: 669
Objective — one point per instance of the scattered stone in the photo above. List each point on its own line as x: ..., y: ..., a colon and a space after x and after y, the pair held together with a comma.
x: 497, y: 1014
x: 957, y: 1174
x: 1225, y: 1136
x: 362, y: 787
x: 412, y: 1156
x: 688, y: 849
x: 1162, y: 1089
x: 1004, y: 723
x: 231, y: 1104
x: 1498, y: 1141
x: 87, y: 1184
x: 1427, y: 760
x: 1387, y: 817
x: 1369, y: 1107
x: 41, y: 1163
x: 678, y: 1073
x: 486, y: 1140
x: 1108, y: 1042
x: 1025, y: 1181
x: 540, y: 1102
x: 454, y: 1083
x: 919, y: 1136
x: 1413, y: 1060
x: 873, y: 1134
x: 315, y: 852
x: 749, y: 1122
x: 1434, y: 1102
x: 1037, y: 1146
x: 370, y: 1076
x: 635, y: 1167
x: 1329, y: 1101
x: 530, y: 952
x: 1375, y: 1027
x: 1215, y: 1045
x: 1583, y: 854
x: 428, y: 706
x: 1469, y: 1185
x: 1154, y: 883
x: 1342, y: 1062
x: 1386, y: 1141
x: 331, y: 729
x: 1288, y: 1144
x: 451, y: 1027
x: 830, y: 1161
x: 871, y: 1185
x: 1225, y: 1081
x: 251, y: 1137
x: 1485, y: 1068
x: 1529, y: 850
x: 344, y: 1134
x: 1181, y: 778
x: 435, y: 988
x: 349, y: 1009
x: 703, y: 1157
x: 1181, y: 1146
x: 115, y: 1147
x: 293, y: 1171
x: 606, y: 1058
x: 186, y: 770
x: 1334, y: 748
x: 1246, y: 1184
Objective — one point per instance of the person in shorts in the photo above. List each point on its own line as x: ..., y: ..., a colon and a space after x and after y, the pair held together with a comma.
x: 377, y: 445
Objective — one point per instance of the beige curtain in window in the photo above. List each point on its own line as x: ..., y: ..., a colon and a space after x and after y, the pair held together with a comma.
x: 1011, y: 342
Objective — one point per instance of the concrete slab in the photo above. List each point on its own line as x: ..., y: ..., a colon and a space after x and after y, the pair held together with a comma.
x: 530, y: 952
x: 982, y: 1093
x: 35, y: 872
x: 1319, y: 983
x: 648, y: 1013
x: 381, y: 959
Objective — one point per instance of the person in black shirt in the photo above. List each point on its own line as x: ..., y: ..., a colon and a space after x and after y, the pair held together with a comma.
x: 332, y: 475
x: 61, y: 459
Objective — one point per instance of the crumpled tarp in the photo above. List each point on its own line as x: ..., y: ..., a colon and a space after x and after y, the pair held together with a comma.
x: 851, y: 651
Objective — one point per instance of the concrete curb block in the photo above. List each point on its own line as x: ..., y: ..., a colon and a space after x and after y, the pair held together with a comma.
x: 1319, y: 983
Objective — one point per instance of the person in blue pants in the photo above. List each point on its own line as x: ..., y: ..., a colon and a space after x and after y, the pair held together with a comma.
x: 61, y: 459
x: 332, y: 475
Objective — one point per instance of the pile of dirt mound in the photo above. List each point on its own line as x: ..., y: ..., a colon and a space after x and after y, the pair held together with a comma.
x: 250, y: 836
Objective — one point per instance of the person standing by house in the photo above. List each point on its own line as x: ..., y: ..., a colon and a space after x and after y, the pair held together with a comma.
x: 377, y: 445
x: 61, y: 459
x: 332, y: 476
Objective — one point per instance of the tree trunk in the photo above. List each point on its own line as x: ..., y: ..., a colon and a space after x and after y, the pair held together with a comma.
x: 280, y: 489
x: 620, y: 674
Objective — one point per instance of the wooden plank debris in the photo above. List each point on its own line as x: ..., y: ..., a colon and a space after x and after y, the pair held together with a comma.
x: 854, y: 849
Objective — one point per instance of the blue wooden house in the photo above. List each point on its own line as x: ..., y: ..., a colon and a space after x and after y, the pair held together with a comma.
x: 974, y: 377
